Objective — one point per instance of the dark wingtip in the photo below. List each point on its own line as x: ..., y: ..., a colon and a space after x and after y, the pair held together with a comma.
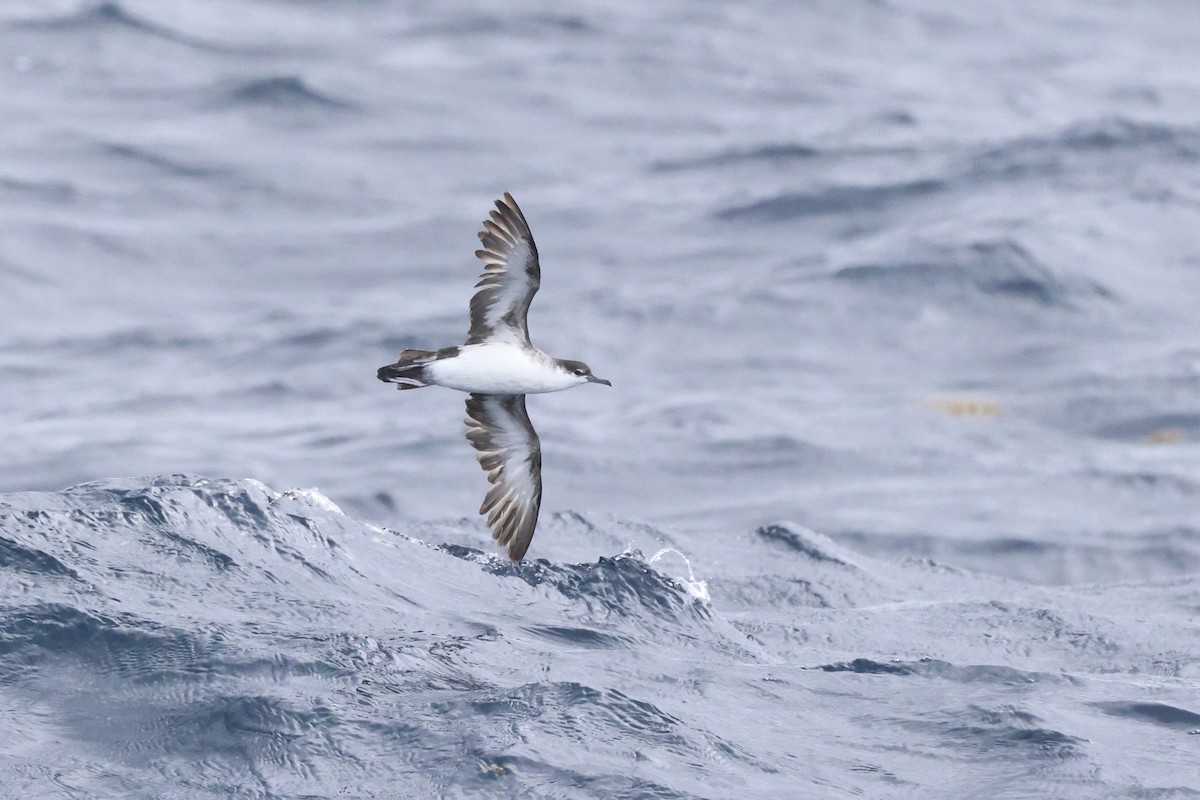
x: 517, y: 550
x: 507, y: 203
x: 386, y: 374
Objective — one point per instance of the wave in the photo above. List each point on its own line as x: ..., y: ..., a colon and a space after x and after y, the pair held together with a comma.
x: 1153, y: 428
x: 1002, y: 269
x: 218, y: 634
x: 47, y: 191
x: 514, y: 22
x: 1006, y: 733
x: 168, y: 165
x: 282, y: 92
x: 1080, y: 147
x: 29, y: 559
x: 770, y: 154
x: 1143, y: 554
x: 49, y: 636
x: 97, y: 17
x: 1157, y: 713
x: 134, y: 339
x: 805, y: 542
x: 1102, y: 141
x: 933, y: 668
x: 831, y: 200
x: 113, y: 16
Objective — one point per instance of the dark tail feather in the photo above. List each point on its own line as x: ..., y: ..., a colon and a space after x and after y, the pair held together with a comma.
x: 408, y: 371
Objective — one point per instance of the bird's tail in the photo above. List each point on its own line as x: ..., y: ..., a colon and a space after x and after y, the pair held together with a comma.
x: 409, y: 370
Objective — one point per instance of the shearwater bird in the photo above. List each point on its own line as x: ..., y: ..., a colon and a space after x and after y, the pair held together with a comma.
x: 498, y: 366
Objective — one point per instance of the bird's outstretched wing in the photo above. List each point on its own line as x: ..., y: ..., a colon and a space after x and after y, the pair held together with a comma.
x: 510, y: 278
x: 510, y: 452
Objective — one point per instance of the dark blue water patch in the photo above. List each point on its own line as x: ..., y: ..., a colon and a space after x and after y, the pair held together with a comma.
x: 114, y: 642
x: 1102, y: 141
x: 566, y: 22
x: 775, y: 156
x: 464, y: 552
x: 281, y: 93
x: 622, y: 586
x: 1153, y: 428
x: 537, y: 699
x: 1011, y: 546
x: 1001, y: 269
x: 1168, y: 482
x: 237, y: 504
x: 163, y: 512
x: 17, y: 556
x: 833, y: 200
x: 1043, y: 743
x: 798, y: 542
x: 112, y: 16
x: 1117, y: 132
x: 771, y: 154
x: 440, y: 662
x: 934, y: 668
x: 584, y: 713
x: 1157, y: 713
x: 575, y: 710
x: 987, y: 673
x: 517, y: 23
x: 1007, y: 734
x: 173, y: 167
x: 115, y: 343
x: 867, y: 666
x: 579, y: 636
x: 39, y: 190
x: 12, y: 274
x: 899, y: 117
x: 497, y: 770
x: 265, y: 716
x: 192, y: 549
x: 99, y: 16
x: 156, y: 507
x: 246, y: 733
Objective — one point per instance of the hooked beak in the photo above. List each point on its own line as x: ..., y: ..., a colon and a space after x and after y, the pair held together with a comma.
x: 594, y: 379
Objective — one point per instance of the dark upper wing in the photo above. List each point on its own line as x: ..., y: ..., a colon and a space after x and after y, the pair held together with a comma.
x: 511, y: 453
x: 510, y: 278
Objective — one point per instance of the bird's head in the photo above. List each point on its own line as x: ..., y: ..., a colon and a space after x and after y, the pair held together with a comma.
x: 580, y: 371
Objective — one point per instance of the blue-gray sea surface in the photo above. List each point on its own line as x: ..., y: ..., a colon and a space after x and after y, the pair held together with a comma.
x: 896, y: 493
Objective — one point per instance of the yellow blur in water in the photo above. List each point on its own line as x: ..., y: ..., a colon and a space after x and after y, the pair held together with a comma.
x: 957, y: 406
x: 1166, y: 436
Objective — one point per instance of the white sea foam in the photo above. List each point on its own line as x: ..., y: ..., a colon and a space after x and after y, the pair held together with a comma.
x: 695, y: 587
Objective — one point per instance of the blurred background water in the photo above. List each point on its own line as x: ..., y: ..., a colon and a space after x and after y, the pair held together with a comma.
x: 899, y: 301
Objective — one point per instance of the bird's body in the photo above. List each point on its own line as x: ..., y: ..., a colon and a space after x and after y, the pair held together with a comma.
x: 498, y: 366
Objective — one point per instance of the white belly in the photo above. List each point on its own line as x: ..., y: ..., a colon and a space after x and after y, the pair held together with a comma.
x: 499, y: 368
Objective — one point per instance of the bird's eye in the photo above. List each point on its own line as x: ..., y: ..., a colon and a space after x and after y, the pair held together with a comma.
x: 579, y: 371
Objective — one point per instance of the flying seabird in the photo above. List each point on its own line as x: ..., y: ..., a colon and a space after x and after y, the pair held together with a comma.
x: 498, y: 366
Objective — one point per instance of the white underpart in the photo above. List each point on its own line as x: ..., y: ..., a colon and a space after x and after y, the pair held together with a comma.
x: 501, y: 368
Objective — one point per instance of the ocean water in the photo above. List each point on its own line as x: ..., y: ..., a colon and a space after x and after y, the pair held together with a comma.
x: 896, y: 493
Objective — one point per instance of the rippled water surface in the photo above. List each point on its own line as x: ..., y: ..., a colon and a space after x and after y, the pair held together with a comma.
x: 896, y: 493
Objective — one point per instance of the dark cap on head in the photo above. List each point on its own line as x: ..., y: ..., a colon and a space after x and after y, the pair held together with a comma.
x: 581, y: 369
